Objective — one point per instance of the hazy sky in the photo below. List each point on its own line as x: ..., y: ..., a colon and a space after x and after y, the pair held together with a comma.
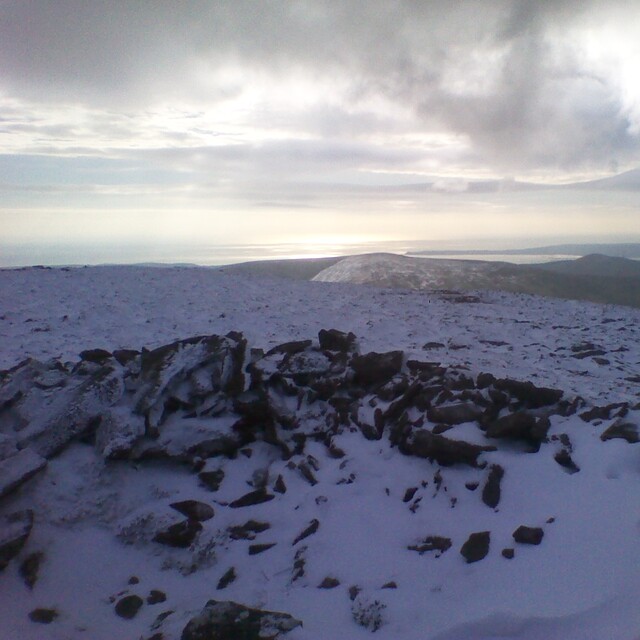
x: 150, y: 121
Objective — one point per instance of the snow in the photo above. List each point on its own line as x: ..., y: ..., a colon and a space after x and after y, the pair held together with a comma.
x: 93, y: 518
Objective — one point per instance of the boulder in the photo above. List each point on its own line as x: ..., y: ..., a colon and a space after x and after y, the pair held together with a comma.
x: 252, y: 498
x: 226, y: 620
x: 30, y: 568
x: 491, y: 490
x: 43, y: 616
x: 476, y: 547
x: 14, y: 532
x: 454, y: 413
x: 424, y: 444
x: 431, y: 543
x: 194, y: 510
x: 180, y: 535
x: 623, y: 430
x: 528, y: 394
x: 128, y: 606
x: 17, y: 469
x: 334, y: 340
x: 520, y: 426
x: 376, y: 368
x: 528, y: 535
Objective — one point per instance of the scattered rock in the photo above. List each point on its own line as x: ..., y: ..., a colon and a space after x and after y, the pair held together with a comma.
x: 334, y: 340
x: 491, y: 490
x: 329, y: 583
x: 623, y: 430
x: 564, y: 459
x: 156, y: 596
x: 280, y: 486
x: 14, y: 532
x: 389, y: 585
x: 520, y: 426
x: 432, y: 543
x: 528, y: 394
x: 232, y: 621
x: 194, y: 510
x: 255, y: 549
x: 376, y: 368
x: 128, y: 607
x: 476, y: 547
x: 528, y: 535
x: 248, y: 530
x: 508, y: 553
x: 455, y: 413
x: 313, y: 526
x: 17, y: 469
x: 180, y: 535
x: 409, y: 493
x: 228, y: 577
x: 424, y: 444
x: 43, y: 616
x: 97, y: 356
x: 252, y: 498
x: 212, y: 479
x: 30, y: 568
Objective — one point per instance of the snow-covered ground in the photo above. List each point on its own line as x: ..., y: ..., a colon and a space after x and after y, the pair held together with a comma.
x: 581, y: 582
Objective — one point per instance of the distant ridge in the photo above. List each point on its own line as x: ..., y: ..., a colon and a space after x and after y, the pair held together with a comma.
x: 615, y: 250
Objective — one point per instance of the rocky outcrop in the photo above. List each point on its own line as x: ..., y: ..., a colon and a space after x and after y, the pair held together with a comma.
x: 226, y: 620
x: 623, y: 430
x: 18, y: 468
x: 476, y: 547
x: 424, y: 444
x: 528, y: 535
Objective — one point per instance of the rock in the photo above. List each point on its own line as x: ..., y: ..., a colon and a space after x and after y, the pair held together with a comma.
x: 615, y: 409
x: 376, y: 368
x: 290, y: 348
x: 564, y: 459
x: 125, y: 356
x: 252, y: 498
x: 248, y: 530
x: 491, y: 489
x: 156, y: 597
x: 128, y: 606
x: 228, y: 577
x: 299, y: 564
x: 232, y: 621
x: 424, y: 444
x: 432, y: 345
x: 313, y: 526
x: 43, y: 616
x: 432, y: 543
x: 334, y: 340
x: 212, y: 479
x: 520, y: 426
x: 30, y: 568
x: 117, y: 433
x: 14, y: 532
x: 455, y: 413
x: 623, y: 430
x: 329, y: 583
x: 476, y: 547
x: 280, y: 486
x: 194, y: 510
x: 97, y: 356
x: 409, y: 493
x: 528, y: 535
x: 17, y: 469
x: 508, y: 553
x: 390, y: 585
x: 255, y: 549
x: 528, y: 394
x: 485, y: 380
x: 179, y: 535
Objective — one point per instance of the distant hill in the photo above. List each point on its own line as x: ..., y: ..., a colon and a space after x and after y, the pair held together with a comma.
x: 301, y: 269
x: 620, y: 250
x: 594, y: 278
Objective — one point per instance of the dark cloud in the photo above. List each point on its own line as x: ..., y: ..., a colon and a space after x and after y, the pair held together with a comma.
x: 503, y: 74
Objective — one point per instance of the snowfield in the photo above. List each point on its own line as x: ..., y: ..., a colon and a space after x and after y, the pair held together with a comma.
x: 368, y: 485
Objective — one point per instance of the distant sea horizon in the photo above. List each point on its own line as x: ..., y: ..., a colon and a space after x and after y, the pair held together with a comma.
x: 211, y: 255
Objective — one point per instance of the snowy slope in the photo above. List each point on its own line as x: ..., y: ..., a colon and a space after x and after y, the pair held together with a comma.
x: 94, y: 517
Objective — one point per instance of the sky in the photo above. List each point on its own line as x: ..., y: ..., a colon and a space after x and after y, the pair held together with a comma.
x: 143, y: 124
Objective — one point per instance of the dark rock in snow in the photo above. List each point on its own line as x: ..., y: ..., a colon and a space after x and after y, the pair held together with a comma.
x: 508, y: 553
x: 14, y: 532
x: 125, y: 356
x: 248, y: 530
x: 623, y: 430
x: 376, y: 368
x: 97, y: 356
x: 128, y: 606
x: 313, y: 526
x: 228, y: 577
x: 432, y: 543
x: 409, y: 493
x: 528, y: 394
x: 485, y: 380
x: 528, y: 535
x: 43, y: 616
x: 390, y: 585
x: 476, y: 547
x: 30, y: 568
x: 329, y: 583
x: 564, y: 459
x: 194, y: 510
x: 334, y: 340
x: 491, y: 490
x: 156, y: 597
x: 255, y: 549
x: 613, y: 410
x: 520, y: 426
x: 252, y: 498
x: 212, y: 479
x: 424, y: 444
x: 299, y: 564
x: 280, y: 486
x: 179, y: 535
x: 455, y: 413
x: 232, y: 621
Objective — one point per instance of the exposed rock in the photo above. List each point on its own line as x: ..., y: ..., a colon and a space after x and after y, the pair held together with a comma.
x: 508, y: 553
x: 424, y: 444
x: 485, y: 380
x: 623, y: 430
x: 117, y: 432
x: 432, y: 345
x: 255, y: 549
x: 248, y: 530
x: 43, y: 616
x: 329, y: 583
x: 125, y: 356
x: 30, y: 568
x: 290, y: 348
x: 476, y: 547
x: 97, y: 356
x: 334, y: 340
x: 491, y: 490
x: 299, y: 564
x: 14, y: 532
x: 613, y: 410
x: 455, y: 413
x: 314, y: 525
x: 180, y: 535
x: 409, y: 493
x: 520, y: 426
x: 390, y: 585
x: 156, y: 597
x: 376, y: 368
x: 232, y: 621
x: 564, y: 459
x: 252, y: 498
x: 280, y: 486
x: 228, y: 577
x: 528, y: 535
x: 128, y: 606
x: 194, y: 510
x: 528, y: 394
x: 212, y: 479
x: 432, y: 543
x: 17, y: 469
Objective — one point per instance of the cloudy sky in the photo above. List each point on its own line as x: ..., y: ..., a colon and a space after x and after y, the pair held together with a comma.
x: 151, y: 122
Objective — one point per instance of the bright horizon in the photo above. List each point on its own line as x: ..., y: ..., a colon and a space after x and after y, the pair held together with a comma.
x: 315, y: 128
